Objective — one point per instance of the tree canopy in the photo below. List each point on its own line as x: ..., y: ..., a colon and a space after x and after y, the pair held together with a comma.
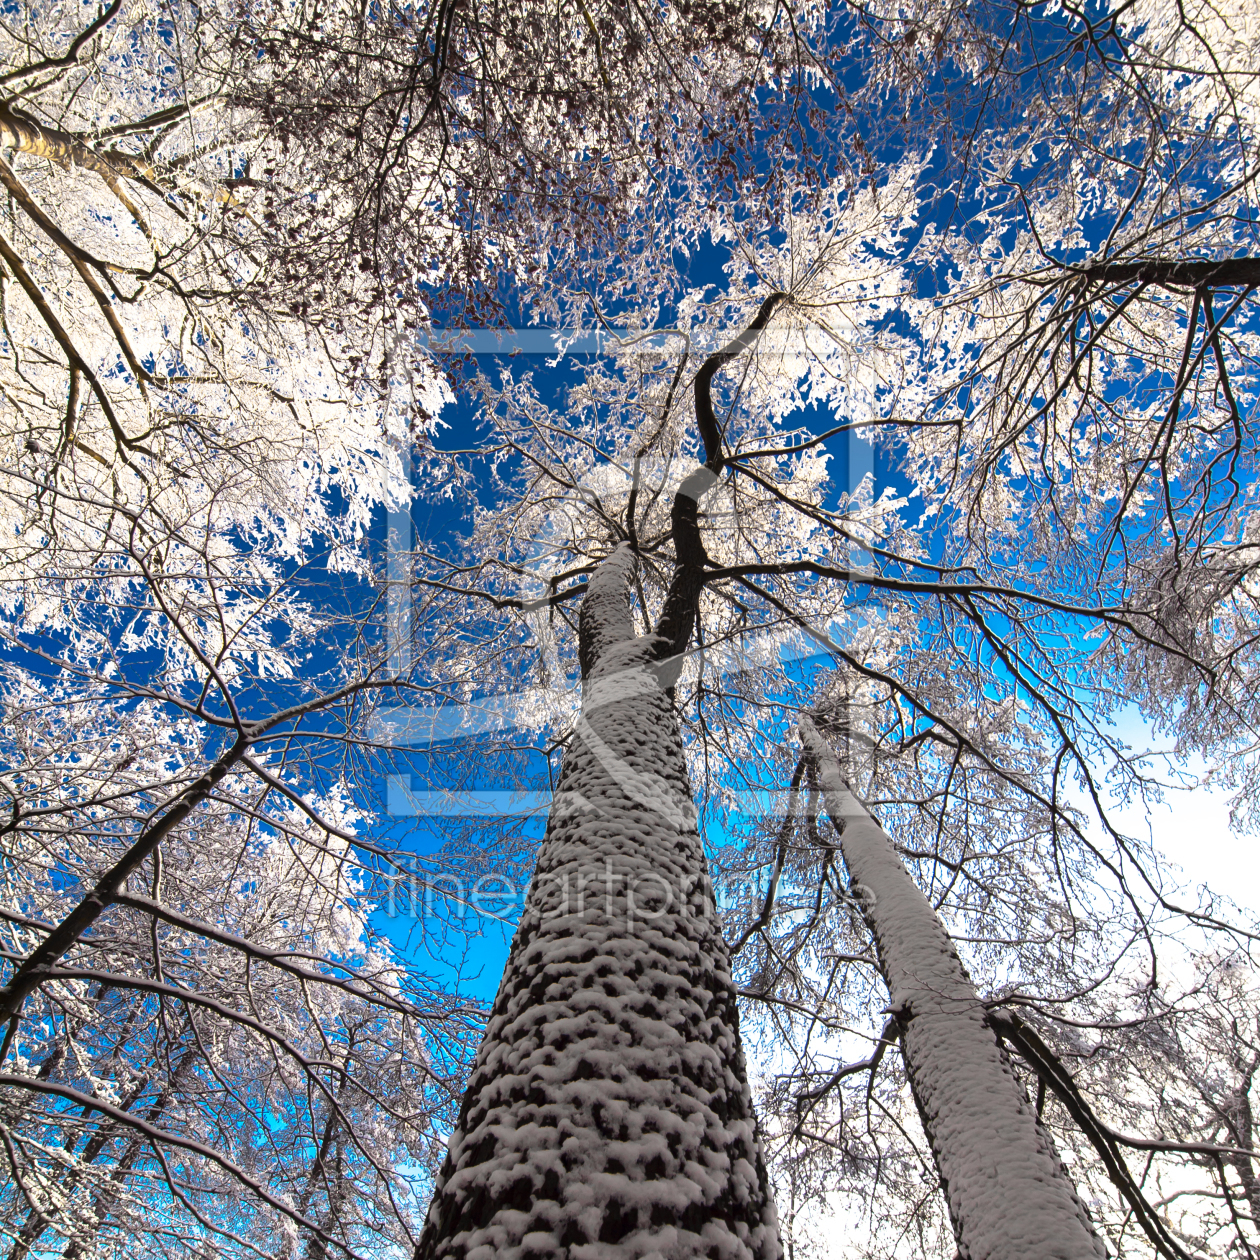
x: 1006, y: 249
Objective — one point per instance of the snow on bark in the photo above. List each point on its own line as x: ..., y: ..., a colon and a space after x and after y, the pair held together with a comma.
x: 608, y: 1115
x: 1009, y: 1195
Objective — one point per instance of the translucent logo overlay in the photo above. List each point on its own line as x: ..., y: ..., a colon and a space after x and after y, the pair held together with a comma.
x: 424, y: 727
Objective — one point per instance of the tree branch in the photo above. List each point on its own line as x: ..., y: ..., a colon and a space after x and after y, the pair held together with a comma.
x: 71, y: 55
x: 705, y: 418
x: 62, y: 938
x: 1188, y: 273
x: 165, y: 1138
x: 1052, y: 1072
x: 678, y: 615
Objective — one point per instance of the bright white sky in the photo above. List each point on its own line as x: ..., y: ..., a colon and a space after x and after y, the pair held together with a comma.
x: 1191, y: 828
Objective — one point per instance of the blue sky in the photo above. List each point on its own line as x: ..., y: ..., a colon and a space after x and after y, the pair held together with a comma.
x: 1191, y: 827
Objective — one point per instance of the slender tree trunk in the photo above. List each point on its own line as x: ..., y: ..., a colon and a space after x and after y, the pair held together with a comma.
x: 609, y: 1112
x: 335, y: 1184
x: 1246, y: 1172
x: 102, y: 1205
x: 316, y: 1245
x: 1241, y: 1126
x: 1009, y: 1196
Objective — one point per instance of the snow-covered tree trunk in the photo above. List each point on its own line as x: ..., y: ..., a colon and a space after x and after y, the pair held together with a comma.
x: 609, y: 1111
x: 1009, y: 1195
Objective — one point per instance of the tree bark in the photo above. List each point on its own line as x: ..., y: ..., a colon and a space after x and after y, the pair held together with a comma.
x: 1190, y: 273
x: 1241, y: 1125
x: 24, y: 134
x: 1009, y: 1195
x: 609, y: 1111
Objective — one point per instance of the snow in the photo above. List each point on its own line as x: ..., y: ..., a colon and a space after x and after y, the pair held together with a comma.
x: 608, y: 1116
x: 697, y: 483
x: 1009, y: 1195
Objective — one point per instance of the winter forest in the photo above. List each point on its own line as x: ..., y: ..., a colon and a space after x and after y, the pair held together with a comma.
x: 596, y: 601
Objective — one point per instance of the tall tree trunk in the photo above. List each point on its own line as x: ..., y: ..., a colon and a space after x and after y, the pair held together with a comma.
x: 609, y: 1111
x: 1009, y: 1196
